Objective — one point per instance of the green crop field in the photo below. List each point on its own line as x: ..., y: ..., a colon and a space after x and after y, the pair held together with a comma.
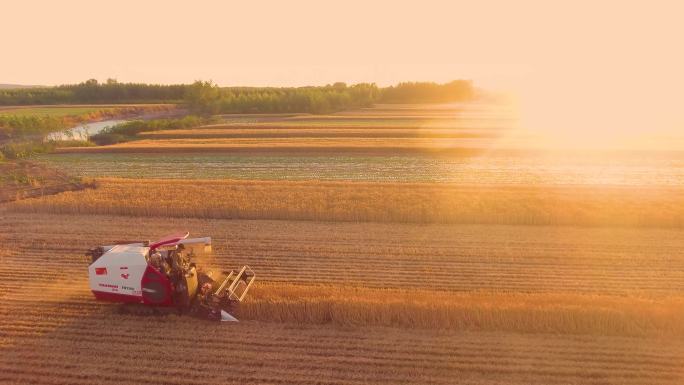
x: 491, y: 169
x: 54, y: 111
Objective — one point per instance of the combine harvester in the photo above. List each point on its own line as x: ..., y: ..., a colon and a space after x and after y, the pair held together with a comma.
x: 161, y: 276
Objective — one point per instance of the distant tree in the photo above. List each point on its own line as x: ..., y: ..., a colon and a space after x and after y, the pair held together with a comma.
x: 203, y: 97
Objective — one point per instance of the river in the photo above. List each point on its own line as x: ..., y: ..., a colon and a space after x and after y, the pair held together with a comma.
x: 83, y: 131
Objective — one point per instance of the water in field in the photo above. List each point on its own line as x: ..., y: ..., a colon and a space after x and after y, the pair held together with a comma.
x: 645, y: 169
x: 83, y: 131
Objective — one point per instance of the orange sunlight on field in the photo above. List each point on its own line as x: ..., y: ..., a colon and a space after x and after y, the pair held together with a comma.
x: 342, y: 192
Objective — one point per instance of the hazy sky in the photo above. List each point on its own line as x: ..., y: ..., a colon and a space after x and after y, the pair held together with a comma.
x: 605, y: 65
x: 500, y: 43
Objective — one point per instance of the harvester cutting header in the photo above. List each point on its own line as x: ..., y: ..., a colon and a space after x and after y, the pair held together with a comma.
x: 162, y: 275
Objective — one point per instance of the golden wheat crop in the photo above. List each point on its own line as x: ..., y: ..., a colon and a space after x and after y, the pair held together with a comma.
x: 478, y: 311
x: 372, y: 202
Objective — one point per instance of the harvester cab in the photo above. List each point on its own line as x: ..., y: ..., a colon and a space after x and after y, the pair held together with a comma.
x: 161, y: 276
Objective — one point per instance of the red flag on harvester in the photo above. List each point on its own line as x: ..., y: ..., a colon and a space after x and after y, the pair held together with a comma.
x: 101, y: 270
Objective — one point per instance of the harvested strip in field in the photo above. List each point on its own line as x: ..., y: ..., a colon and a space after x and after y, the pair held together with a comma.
x: 355, y: 124
x: 313, y: 142
x: 228, y: 132
x: 480, y: 311
x: 256, y: 352
x: 388, y: 121
x: 633, y: 262
x: 360, y: 145
x: 372, y: 202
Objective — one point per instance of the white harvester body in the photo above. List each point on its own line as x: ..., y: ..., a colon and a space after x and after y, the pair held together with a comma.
x: 163, y: 275
x: 119, y: 272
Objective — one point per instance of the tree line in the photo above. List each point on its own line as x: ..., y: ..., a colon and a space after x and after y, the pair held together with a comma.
x: 92, y: 92
x: 206, y: 97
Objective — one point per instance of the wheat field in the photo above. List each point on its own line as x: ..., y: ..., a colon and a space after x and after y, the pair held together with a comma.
x: 473, y: 311
x: 372, y: 202
x: 345, y: 303
x: 537, y: 271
